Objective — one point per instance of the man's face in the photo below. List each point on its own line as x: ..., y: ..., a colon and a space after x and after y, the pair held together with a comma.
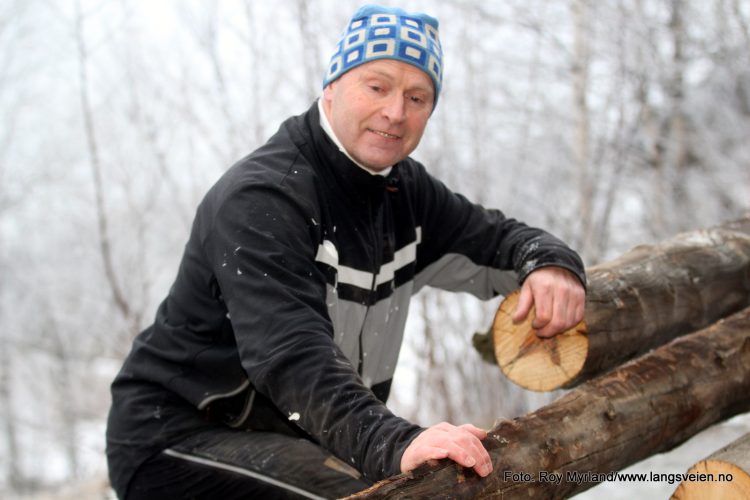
x: 379, y: 111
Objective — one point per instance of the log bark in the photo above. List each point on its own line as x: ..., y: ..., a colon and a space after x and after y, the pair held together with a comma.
x: 649, y: 296
x: 646, y: 406
x: 725, y: 475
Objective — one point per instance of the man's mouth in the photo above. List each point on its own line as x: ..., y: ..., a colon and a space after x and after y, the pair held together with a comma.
x: 384, y: 134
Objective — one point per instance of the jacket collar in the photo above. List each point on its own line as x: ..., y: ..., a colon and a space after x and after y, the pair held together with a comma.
x: 355, y: 183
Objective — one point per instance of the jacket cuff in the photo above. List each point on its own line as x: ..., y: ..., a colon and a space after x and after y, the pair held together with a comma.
x: 394, y: 468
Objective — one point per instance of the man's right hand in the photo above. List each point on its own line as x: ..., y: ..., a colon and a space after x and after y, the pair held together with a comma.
x: 461, y: 444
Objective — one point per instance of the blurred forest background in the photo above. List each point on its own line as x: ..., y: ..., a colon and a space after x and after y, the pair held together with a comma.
x: 611, y: 123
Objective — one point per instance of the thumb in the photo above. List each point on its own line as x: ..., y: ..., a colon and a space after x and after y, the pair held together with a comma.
x: 525, y: 301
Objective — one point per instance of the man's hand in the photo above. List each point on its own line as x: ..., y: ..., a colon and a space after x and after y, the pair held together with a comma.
x: 460, y: 444
x: 558, y: 296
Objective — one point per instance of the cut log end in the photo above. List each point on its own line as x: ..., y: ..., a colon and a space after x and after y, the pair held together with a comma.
x: 532, y: 362
x: 719, y: 481
x: 724, y: 474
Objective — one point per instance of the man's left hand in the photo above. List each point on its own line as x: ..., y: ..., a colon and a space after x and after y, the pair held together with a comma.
x: 559, y: 299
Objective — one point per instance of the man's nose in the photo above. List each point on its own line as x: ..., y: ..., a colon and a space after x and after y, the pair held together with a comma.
x: 395, y: 107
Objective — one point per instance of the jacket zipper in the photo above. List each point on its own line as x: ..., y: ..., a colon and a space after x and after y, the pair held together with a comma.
x: 376, y: 234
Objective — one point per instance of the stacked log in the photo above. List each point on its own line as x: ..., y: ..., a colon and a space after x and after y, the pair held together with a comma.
x: 620, y: 411
x: 646, y: 406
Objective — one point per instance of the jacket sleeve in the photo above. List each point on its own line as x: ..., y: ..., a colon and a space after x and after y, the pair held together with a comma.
x: 470, y: 248
x: 263, y: 244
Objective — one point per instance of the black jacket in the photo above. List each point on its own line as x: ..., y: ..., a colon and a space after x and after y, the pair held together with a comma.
x: 290, y: 302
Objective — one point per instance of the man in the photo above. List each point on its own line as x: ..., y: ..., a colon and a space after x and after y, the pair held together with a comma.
x: 267, y: 368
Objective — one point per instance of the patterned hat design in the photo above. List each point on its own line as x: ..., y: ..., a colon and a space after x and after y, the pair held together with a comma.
x: 376, y: 32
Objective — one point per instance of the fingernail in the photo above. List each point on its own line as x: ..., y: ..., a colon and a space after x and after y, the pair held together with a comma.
x: 471, y: 462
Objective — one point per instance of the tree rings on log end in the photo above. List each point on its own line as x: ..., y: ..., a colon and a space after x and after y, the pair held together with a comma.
x: 719, y: 480
x: 535, y: 363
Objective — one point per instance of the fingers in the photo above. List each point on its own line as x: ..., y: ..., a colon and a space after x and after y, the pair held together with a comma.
x: 476, y: 431
x: 551, y: 313
x: 466, y: 449
x: 462, y: 454
x: 460, y: 444
x: 525, y: 301
x: 580, y: 309
x: 559, y: 310
x: 558, y: 298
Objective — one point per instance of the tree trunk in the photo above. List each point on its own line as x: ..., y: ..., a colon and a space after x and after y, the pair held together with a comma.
x: 723, y: 475
x: 14, y: 474
x: 581, y: 61
x: 639, y: 301
x: 646, y: 406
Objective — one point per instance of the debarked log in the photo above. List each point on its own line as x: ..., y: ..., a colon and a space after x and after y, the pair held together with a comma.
x: 725, y: 475
x: 639, y: 301
x: 646, y: 406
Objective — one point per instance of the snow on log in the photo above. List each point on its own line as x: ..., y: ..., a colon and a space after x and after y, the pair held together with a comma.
x: 646, y: 406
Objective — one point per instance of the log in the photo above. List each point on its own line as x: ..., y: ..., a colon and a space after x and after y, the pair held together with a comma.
x: 534, y: 363
x: 723, y: 475
x: 639, y: 301
x: 647, y: 406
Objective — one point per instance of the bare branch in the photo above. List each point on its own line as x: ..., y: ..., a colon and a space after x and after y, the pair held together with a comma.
x: 105, y: 247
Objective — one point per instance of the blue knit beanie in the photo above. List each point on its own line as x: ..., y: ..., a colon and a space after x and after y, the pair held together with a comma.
x: 376, y: 32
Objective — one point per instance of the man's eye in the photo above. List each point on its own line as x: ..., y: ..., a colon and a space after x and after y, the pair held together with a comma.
x: 375, y: 88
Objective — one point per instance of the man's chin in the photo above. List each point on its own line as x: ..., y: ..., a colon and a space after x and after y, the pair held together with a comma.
x: 380, y: 163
